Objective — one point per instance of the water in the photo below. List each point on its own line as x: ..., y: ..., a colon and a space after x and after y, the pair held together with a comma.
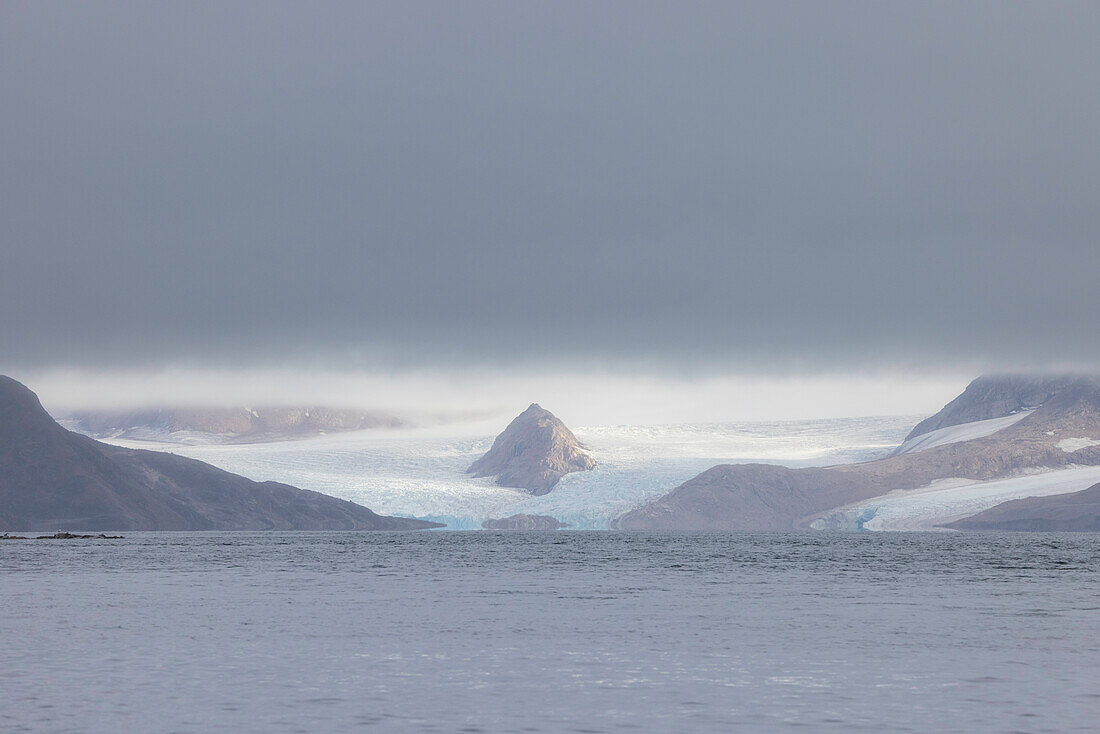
x: 584, y: 632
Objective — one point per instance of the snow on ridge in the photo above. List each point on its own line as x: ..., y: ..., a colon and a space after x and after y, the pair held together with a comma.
x: 946, y: 500
x: 961, y: 432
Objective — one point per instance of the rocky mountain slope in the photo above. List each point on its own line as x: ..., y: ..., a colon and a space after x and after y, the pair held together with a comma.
x: 52, y: 478
x: 995, y: 396
x: 1056, y: 434
x: 1074, y: 512
x: 533, y: 453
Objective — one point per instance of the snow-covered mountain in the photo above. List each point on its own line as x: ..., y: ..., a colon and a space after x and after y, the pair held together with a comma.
x: 854, y: 473
x: 993, y: 443
x: 1071, y: 512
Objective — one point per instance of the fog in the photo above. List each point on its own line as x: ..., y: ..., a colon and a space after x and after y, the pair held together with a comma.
x: 578, y: 398
x: 703, y: 193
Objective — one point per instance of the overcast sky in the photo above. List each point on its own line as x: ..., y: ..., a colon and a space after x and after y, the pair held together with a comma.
x: 695, y: 188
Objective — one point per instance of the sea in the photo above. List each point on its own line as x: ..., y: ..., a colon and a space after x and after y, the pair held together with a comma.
x: 571, y: 631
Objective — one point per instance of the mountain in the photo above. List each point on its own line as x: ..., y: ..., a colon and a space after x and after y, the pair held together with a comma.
x: 53, y: 478
x: 1074, y: 512
x: 525, y: 522
x: 224, y: 425
x: 994, y: 396
x: 1055, y: 433
x: 533, y: 453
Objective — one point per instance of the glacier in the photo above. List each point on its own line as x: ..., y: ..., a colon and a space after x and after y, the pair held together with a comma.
x: 961, y: 432
x: 946, y: 500
x: 420, y: 472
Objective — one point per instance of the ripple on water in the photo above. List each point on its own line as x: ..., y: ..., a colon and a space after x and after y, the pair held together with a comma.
x: 551, y: 632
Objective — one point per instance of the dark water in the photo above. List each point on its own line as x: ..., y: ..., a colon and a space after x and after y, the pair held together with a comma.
x: 583, y: 632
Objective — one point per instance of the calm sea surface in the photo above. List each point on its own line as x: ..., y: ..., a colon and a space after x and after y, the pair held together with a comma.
x: 574, y: 631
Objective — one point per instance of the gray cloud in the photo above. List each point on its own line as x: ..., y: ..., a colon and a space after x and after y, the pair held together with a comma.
x: 739, y: 184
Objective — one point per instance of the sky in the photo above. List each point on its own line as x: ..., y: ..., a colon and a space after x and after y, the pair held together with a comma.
x: 685, y: 192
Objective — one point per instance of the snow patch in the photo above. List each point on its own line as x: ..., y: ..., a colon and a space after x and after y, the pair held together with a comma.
x: 947, y: 500
x: 1069, y: 445
x: 961, y: 432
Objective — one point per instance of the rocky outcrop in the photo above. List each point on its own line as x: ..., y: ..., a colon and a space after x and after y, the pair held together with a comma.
x: 766, y: 497
x: 224, y: 425
x: 533, y: 453
x: 1075, y: 512
x: 524, y: 522
x: 53, y: 478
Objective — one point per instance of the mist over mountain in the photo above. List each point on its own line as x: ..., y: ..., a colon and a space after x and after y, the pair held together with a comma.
x: 753, y: 254
x: 392, y: 185
x: 225, y: 425
x: 52, y: 478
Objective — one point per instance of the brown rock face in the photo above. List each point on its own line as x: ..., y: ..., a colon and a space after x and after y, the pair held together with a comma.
x: 525, y: 522
x: 994, y: 396
x: 766, y: 497
x: 533, y: 453
x: 1076, y: 512
x: 52, y: 478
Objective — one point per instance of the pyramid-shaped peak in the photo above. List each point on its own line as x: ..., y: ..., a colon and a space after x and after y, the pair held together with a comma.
x: 533, y: 453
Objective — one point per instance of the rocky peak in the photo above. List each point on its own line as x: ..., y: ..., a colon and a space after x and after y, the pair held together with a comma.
x: 533, y: 453
x: 996, y: 396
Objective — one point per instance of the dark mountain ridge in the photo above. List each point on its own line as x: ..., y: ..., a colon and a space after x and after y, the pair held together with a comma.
x: 53, y: 478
